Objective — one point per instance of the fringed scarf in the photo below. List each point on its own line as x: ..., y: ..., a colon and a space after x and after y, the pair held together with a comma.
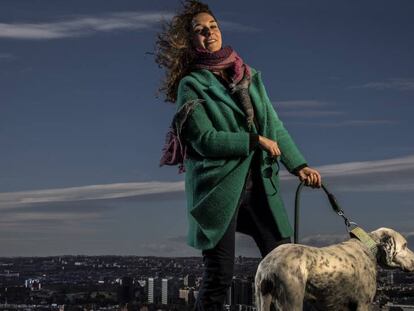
x: 174, y: 151
x: 239, y: 73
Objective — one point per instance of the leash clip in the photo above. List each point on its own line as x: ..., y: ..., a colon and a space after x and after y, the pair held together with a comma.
x: 350, y: 224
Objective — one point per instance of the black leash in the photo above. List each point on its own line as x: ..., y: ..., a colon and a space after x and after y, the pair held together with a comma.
x: 334, y: 204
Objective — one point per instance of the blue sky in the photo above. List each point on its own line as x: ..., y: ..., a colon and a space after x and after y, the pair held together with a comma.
x: 82, y: 126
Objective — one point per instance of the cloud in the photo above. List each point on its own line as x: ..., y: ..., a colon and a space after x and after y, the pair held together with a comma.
x: 391, y: 84
x: 402, y: 164
x: 92, y: 192
x: 6, y: 57
x: 46, y: 217
x: 394, y: 174
x: 388, y: 176
x: 236, y: 27
x: 304, y: 109
x: 170, y: 247
x: 298, y: 104
x: 80, y: 26
x: 55, y: 216
x: 310, y: 113
x: 312, y: 109
x: 347, y: 123
x: 395, y: 187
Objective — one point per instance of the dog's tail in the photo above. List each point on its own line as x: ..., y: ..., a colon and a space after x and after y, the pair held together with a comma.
x: 263, y: 290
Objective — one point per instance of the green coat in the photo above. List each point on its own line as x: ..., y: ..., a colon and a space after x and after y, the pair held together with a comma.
x: 217, y: 132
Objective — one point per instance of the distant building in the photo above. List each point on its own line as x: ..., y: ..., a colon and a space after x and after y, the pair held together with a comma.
x: 150, y: 290
x: 154, y: 290
x: 164, y: 291
x: 126, y: 290
x: 189, y: 280
x: 33, y: 284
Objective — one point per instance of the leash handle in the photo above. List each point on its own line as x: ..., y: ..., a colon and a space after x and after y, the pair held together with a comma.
x: 334, y: 204
x: 297, y: 204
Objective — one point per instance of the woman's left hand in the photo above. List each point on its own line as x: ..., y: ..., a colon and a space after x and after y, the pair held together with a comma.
x: 311, y: 177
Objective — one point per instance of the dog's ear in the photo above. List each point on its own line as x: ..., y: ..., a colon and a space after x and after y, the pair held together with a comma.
x: 387, y: 251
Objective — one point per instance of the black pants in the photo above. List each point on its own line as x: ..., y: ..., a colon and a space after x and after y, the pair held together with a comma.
x: 253, y: 217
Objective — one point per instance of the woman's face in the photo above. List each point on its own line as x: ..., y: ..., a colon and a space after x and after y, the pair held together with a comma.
x: 206, y: 33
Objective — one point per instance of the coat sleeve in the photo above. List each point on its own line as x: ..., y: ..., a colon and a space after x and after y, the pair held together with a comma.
x: 201, y: 134
x: 291, y: 157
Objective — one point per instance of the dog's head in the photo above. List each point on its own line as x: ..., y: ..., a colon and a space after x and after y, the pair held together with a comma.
x: 392, y: 249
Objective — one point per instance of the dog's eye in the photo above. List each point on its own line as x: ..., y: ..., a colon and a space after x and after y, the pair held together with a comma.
x: 404, y: 246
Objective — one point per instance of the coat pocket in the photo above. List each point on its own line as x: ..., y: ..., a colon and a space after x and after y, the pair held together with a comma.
x: 209, y: 162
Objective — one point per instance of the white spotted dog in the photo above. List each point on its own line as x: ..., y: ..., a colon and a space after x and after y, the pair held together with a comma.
x: 337, y: 277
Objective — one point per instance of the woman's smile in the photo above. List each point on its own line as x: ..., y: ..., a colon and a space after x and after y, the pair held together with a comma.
x: 209, y: 42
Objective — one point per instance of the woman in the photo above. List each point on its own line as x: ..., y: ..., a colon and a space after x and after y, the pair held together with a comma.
x: 228, y: 139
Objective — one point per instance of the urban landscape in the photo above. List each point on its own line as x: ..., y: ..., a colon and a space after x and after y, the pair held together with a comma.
x: 145, y: 283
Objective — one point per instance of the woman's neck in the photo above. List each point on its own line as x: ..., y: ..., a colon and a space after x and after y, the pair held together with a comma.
x: 222, y: 73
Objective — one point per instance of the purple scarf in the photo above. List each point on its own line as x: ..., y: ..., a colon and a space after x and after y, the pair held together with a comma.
x: 239, y: 73
x: 225, y: 58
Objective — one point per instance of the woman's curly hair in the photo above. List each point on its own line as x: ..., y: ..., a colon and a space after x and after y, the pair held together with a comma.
x: 173, y: 49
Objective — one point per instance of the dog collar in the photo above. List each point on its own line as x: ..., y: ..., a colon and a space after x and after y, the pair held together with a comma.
x: 363, y: 236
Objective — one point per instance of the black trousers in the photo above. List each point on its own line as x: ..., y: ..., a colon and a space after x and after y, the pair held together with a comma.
x: 252, y: 217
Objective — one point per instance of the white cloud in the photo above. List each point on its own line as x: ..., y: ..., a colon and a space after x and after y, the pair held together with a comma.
x: 93, y: 192
x: 83, y: 25
x: 236, y: 27
x: 79, y: 26
x: 396, y: 174
x: 304, y: 109
x: 391, y: 187
x: 390, y: 175
x: 393, y: 84
x: 298, y: 104
x: 310, y: 113
x: 347, y: 123
x: 38, y: 216
x: 403, y: 164
x: 166, y: 249
x: 313, y: 109
x: 6, y: 56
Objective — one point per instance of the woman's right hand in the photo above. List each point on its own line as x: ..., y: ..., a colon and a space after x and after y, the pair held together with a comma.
x: 270, y: 146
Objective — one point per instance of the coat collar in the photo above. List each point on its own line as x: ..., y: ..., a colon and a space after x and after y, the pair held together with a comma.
x: 217, y: 90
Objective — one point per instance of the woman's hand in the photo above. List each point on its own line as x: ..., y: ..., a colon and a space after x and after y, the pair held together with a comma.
x: 311, y: 177
x: 270, y: 146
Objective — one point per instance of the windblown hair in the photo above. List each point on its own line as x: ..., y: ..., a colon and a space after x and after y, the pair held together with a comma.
x: 173, y: 49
